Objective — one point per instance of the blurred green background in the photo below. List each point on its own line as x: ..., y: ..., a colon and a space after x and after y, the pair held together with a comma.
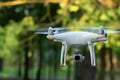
x: 26, y: 56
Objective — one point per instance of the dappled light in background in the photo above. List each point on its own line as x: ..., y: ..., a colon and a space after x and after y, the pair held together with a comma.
x: 25, y: 55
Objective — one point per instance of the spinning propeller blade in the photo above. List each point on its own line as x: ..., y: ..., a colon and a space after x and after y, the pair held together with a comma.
x: 112, y: 32
x: 46, y: 29
x: 108, y: 30
x: 52, y: 30
x: 49, y: 30
x: 41, y: 32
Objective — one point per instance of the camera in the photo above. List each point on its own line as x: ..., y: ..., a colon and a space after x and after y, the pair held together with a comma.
x: 77, y: 57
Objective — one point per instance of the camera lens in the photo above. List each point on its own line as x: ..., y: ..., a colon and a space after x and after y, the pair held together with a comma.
x: 77, y: 57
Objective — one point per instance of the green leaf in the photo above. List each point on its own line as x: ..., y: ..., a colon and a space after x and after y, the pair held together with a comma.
x: 73, y: 8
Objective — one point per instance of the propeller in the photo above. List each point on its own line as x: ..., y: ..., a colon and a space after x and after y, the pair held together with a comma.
x: 100, y: 30
x: 50, y: 30
x: 46, y: 29
x: 41, y: 32
x: 113, y: 32
x: 92, y: 28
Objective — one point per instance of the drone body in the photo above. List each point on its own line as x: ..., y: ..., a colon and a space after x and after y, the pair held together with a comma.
x: 76, y: 39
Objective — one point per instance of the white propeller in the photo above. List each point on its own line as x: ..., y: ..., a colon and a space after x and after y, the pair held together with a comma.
x: 41, y: 32
x: 112, y: 32
x: 49, y: 30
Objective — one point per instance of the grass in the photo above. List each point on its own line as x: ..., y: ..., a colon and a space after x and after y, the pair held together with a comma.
x: 47, y: 72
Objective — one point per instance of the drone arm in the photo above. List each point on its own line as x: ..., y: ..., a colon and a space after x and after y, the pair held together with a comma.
x: 92, y: 53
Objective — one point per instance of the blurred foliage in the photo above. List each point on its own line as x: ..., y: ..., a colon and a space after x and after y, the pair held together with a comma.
x: 16, y: 20
x: 10, y: 43
x: 90, y: 13
x: 93, y: 13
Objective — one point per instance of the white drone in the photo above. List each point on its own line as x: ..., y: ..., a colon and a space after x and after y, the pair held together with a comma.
x: 76, y: 39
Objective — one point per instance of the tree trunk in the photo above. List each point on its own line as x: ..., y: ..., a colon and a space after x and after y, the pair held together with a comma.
x: 50, y: 64
x: 103, y: 63
x: 1, y: 64
x: 40, y: 62
x: 69, y: 71
x: 89, y: 71
x: 69, y: 66
x: 77, y: 72
x: 19, y: 65
x: 111, y: 64
x: 26, y: 63
x: 55, y: 62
